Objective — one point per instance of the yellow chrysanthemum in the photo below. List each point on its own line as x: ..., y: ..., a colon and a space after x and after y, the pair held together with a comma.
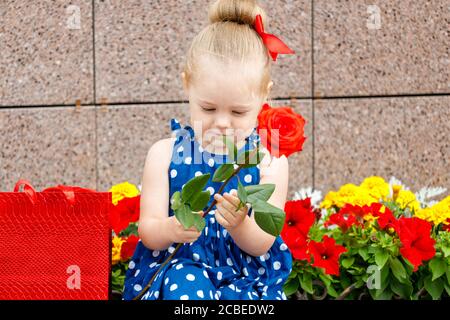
x: 116, y: 247
x: 376, y: 187
x: 395, y: 190
x: 348, y: 193
x: 436, y: 214
x: 407, y: 199
x: 123, y: 190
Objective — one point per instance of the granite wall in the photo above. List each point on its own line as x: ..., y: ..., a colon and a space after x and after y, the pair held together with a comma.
x: 86, y: 87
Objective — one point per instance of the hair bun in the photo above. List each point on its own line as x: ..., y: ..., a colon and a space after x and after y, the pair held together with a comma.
x: 238, y: 11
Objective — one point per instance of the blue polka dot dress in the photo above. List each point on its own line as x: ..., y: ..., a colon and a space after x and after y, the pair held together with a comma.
x: 213, y: 267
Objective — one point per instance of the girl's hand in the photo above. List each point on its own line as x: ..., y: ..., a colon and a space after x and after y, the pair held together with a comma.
x: 226, y: 214
x: 181, y: 235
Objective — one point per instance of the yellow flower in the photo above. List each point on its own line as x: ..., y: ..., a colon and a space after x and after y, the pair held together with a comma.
x: 116, y: 247
x: 407, y: 199
x: 123, y: 190
x: 376, y: 187
x: 348, y: 193
x: 438, y: 213
x: 395, y: 190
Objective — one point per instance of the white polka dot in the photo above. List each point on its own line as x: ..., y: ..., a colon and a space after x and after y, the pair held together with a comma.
x: 260, y: 284
x: 232, y: 287
x: 180, y: 149
x: 166, y: 281
x: 211, y: 190
x: 238, y: 290
x: 255, y: 294
x: 218, y: 234
x: 190, y: 277
x: 211, y: 162
x: 224, y: 232
x: 283, y: 247
x: 219, y: 275
x: 155, y: 253
x: 205, y: 274
x: 261, y: 270
x: 146, y: 295
x: 179, y: 266
x: 250, y: 296
x: 198, y: 173
x: 279, y: 280
x: 233, y: 190
x: 219, y: 293
x: 267, y: 256
x: 131, y: 265
x: 206, y: 231
x: 196, y: 256
x: 212, y: 212
x: 153, y: 264
x: 283, y: 295
x: 137, y: 287
x: 212, y: 220
x: 174, y: 260
x: 171, y: 249
x: 245, y: 271
x: 188, y: 160
x: 200, y: 148
x: 216, y: 296
x: 249, y: 259
x: 173, y: 287
x: 217, y: 262
x: 184, y: 297
x: 200, y: 294
x: 229, y: 262
x: 156, y: 294
x: 265, y: 288
x: 210, y: 294
x: 248, y: 178
x: 278, y: 298
x: 173, y: 173
x: 137, y: 272
x: 276, y: 265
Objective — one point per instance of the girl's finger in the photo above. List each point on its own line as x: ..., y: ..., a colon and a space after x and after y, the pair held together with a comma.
x: 221, y: 219
x: 229, y: 208
x: 232, y: 199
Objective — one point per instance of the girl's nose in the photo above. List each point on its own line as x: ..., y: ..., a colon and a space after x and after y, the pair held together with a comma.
x: 222, y: 121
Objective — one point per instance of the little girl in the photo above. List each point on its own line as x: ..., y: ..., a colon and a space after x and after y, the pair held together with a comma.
x: 227, y: 79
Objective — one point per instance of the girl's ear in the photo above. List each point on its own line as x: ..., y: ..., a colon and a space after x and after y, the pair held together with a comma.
x: 185, y: 84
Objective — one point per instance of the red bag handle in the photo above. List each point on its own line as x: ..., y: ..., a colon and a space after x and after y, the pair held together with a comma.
x: 68, y: 191
x: 27, y: 188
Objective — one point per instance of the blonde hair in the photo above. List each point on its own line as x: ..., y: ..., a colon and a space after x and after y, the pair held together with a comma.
x: 231, y: 38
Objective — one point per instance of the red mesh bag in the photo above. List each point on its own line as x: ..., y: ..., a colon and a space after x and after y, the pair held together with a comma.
x: 54, y: 244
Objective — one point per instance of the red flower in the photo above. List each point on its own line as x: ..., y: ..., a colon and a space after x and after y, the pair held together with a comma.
x: 299, y: 247
x: 417, y: 245
x: 326, y: 254
x: 128, y: 247
x: 126, y: 211
x: 446, y: 227
x: 356, y: 211
x: 342, y: 220
x: 281, y: 130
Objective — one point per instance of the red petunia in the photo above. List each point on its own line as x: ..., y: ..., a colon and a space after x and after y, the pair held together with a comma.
x: 281, y: 130
x: 299, y: 247
x: 128, y: 247
x: 126, y: 211
x: 417, y: 244
x: 326, y: 254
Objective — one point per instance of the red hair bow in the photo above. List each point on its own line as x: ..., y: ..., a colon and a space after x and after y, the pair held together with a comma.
x: 274, y: 44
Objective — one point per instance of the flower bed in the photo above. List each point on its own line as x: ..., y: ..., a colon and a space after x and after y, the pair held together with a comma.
x: 377, y: 240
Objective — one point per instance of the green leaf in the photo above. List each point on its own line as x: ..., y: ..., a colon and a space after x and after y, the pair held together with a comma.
x: 403, y: 290
x: 199, y: 200
x: 438, y: 267
x: 242, y: 194
x: 447, y: 288
x: 185, y: 216
x: 291, y: 286
x: 261, y: 192
x: 223, y: 172
x: 446, y: 251
x: 250, y: 158
x: 176, y: 200
x: 434, y: 288
x: 193, y: 186
x: 381, y: 257
x: 199, y: 222
x: 347, y: 262
x: 268, y: 217
x: 306, y: 283
x: 398, y: 269
x: 232, y: 149
x: 364, y: 253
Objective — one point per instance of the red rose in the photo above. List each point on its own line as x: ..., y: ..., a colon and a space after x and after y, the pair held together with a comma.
x: 128, y: 247
x: 281, y: 130
x: 126, y: 211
